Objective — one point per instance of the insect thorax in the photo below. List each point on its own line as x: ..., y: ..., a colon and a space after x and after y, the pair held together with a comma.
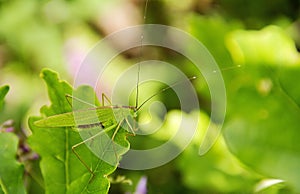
x: 122, y: 113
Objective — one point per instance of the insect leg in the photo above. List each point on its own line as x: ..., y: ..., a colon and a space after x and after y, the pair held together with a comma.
x: 70, y: 98
x: 130, y: 127
x: 87, y: 140
x: 113, y: 137
x: 106, y: 98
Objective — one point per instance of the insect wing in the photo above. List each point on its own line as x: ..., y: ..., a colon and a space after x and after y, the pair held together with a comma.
x: 81, y: 118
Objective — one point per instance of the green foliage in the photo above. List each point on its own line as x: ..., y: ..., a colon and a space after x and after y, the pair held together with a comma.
x: 3, y: 92
x: 215, y: 172
x: 62, y: 170
x: 262, y: 128
x: 256, y: 13
x: 11, y: 171
x: 260, y: 141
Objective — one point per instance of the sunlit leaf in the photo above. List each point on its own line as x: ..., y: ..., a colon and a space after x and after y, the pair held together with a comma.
x: 269, y: 46
x: 263, y: 111
x: 215, y: 172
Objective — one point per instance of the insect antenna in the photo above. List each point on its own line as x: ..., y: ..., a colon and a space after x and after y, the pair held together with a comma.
x: 137, y: 86
x: 141, y: 54
x: 163, y: 90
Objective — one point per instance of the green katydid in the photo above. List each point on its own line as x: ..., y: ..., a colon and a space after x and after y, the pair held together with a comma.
x: 104, y: 119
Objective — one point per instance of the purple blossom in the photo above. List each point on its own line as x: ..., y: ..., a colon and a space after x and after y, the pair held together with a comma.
x: 141, y: 187
x: 9, y: 129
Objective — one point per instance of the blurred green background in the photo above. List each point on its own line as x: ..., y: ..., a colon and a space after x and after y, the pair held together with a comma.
x: 255, y: 43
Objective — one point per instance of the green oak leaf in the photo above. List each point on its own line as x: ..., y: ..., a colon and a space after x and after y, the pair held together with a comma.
x: 62, y: 171
x: 11, y: 171
x: 262, y: 127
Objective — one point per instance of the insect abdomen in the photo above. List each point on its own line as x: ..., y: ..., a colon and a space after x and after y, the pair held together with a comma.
x: 99, y: 124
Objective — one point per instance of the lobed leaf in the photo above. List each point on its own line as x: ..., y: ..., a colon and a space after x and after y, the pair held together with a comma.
x: 62, y: 170
x: 11, y: 171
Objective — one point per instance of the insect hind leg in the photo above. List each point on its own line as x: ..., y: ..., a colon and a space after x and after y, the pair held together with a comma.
x: 76, y: 146
x: 113, y: 138
x: 132, y: 129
